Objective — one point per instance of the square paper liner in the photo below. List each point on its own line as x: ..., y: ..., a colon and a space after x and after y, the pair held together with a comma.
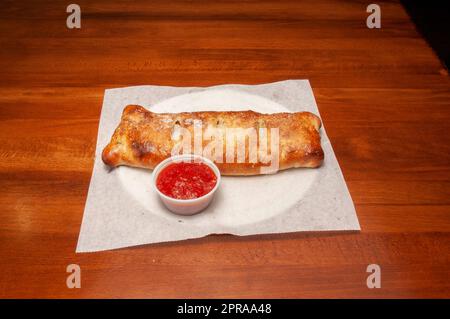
x: 114, y: 219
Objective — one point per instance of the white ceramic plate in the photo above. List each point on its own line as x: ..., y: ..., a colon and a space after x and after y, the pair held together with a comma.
x: 240, y: 200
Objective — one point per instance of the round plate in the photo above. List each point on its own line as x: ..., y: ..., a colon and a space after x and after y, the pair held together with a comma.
x: 240, y: 200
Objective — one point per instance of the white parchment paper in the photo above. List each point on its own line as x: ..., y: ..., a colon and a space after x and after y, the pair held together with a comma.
x: 122, y: 209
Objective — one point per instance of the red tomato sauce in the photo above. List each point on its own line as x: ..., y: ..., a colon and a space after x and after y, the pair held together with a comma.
x: 186, y: 180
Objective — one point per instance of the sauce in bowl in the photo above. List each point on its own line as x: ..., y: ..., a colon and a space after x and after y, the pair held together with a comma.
x: 186, y: 180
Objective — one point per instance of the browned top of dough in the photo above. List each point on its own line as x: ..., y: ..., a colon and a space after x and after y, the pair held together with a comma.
x: 144, y: 138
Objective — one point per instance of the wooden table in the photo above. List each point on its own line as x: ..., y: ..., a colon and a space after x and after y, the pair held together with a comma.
x: 382, y: 93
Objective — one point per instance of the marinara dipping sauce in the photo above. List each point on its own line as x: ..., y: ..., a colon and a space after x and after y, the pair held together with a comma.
x: 186, y: 180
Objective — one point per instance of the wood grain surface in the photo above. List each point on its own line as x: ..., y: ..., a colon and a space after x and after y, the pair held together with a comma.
x: 382, y: 93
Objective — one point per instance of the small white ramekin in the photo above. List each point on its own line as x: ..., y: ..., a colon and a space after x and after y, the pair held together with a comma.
x: 186, y: 206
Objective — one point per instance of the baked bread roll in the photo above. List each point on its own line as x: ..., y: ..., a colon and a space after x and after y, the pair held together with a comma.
x: 239, y: 142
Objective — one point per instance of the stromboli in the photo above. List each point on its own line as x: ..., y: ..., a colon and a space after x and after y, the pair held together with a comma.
x: 144, y: 139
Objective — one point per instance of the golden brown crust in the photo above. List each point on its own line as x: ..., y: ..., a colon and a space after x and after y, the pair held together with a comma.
x: 144, y: 139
